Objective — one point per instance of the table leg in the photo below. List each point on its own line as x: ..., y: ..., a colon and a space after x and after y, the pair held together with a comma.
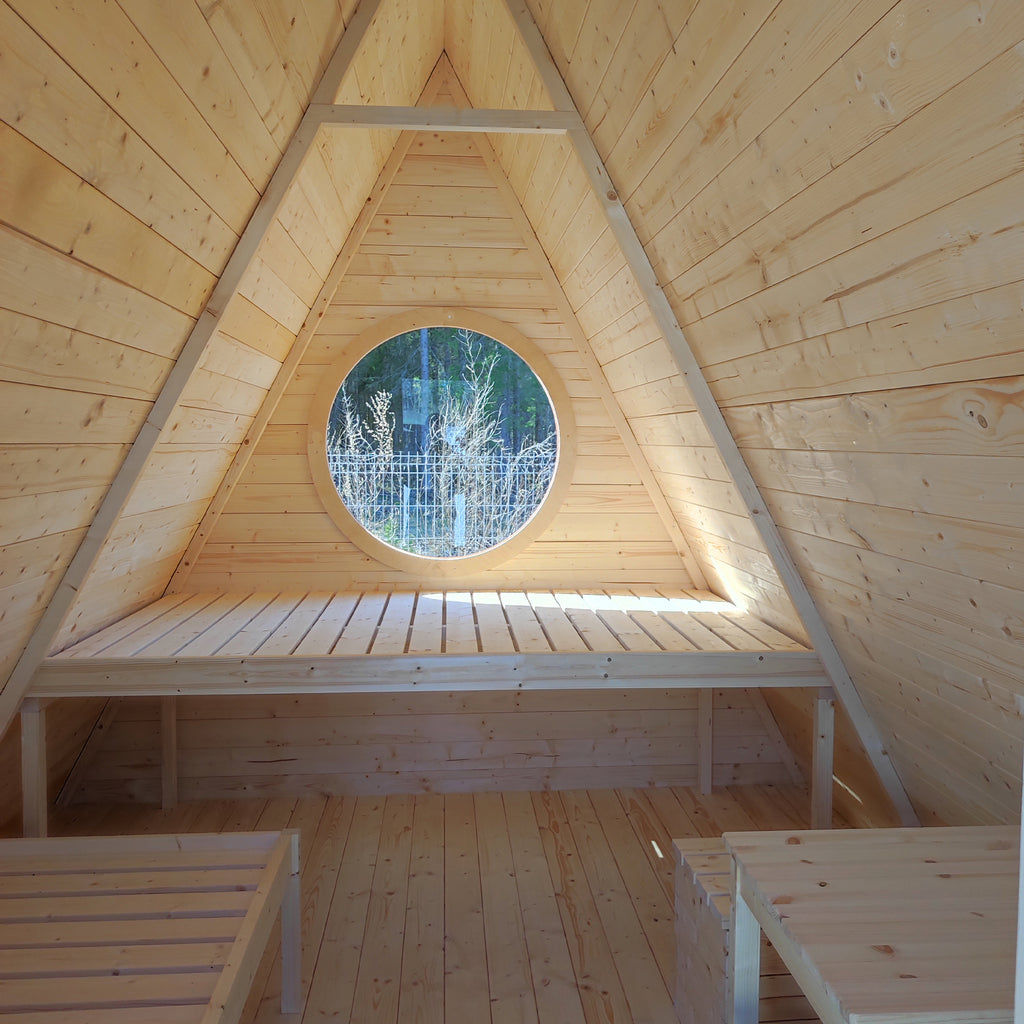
x: 745, y: 957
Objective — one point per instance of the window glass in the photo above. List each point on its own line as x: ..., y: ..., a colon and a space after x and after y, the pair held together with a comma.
x: 442, y: 442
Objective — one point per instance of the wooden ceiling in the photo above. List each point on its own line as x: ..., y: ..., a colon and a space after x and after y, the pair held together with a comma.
x: 829, y: 195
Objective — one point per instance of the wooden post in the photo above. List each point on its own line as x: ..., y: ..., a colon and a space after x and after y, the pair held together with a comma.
x: 1018, y: 997
x: 291, y: 937
x: 705, y: 739
x: 744, y: 978
x: 822, y: 757
x: 169, y: 752
x: 33, y: 768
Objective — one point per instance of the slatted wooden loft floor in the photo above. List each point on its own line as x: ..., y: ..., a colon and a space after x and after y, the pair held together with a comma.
x: 264, y: 642
x: 402, y: 642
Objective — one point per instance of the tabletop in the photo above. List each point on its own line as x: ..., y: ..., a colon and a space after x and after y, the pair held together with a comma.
x: 881, y: 926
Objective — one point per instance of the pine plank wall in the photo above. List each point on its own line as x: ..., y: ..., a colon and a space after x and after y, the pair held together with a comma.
x: 832, y: 195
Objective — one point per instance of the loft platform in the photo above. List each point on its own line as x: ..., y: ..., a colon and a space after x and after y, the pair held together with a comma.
x: 440, y: 643
x: 210, y: 643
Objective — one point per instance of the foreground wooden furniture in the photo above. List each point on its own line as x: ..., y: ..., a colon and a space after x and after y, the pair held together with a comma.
x: 901, y: 926
x: 161, y: 928
x: 381, y: 642
x: 703, y: 905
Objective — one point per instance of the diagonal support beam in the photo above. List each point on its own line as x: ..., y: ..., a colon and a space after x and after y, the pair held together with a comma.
x: 186, y: 364
x: 654, y: 295
x: 291, y: 364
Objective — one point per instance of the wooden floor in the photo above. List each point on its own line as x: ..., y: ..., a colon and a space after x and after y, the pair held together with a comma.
x: 554, y: 908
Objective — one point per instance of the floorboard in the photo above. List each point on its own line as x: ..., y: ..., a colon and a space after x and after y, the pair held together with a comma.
x: 542, y: 908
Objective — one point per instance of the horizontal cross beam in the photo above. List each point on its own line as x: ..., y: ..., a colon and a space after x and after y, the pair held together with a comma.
x: 79, y: 677
x: 448, y: 119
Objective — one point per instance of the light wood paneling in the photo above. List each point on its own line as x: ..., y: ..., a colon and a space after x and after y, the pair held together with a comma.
x: 445, y: 742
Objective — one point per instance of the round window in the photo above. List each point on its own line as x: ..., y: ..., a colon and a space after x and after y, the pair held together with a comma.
x: 442, y: 442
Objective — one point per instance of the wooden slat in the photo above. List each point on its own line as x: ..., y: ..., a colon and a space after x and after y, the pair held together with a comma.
x: 460, y: 624
x: 293, y: 629
x: 359, y: 632
x: 465, y: 983
x: 557, y: 996
x: 491, y: 623
x: 591, y: 956
x: 425, y: 634
x: 561, y: 633
x: 392, y: 635
x: 40, y: 995
x: 324, y: 633
x: 527, y: 632
x: 508, y: 959
x: 216, y: 636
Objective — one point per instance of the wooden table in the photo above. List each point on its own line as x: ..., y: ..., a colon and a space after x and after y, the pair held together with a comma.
x: 161, y: 929
x: 887, y: 926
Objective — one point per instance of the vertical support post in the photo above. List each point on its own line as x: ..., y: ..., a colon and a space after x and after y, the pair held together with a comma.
x: 169, y: 752
x: 705, y: 739
x: 33, y: 768
x: 1018, y: 998
x: 744, y: 973
x: 822, y: 757
x: 291, y: 937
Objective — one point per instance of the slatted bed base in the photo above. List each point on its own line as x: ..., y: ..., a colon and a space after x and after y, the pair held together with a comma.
x: 160, y: 928
x: 405, y: 641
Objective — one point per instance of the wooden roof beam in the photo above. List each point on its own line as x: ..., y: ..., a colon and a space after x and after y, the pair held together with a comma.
x: 448, y: 119
x: 704, y: 400
x: 188, y: 361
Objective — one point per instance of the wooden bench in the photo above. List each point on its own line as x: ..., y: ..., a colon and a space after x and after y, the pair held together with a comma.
x: 703, y: 905
x: 162, y: 928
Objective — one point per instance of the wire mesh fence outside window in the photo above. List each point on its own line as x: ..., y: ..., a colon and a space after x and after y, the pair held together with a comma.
x: 442, y: 505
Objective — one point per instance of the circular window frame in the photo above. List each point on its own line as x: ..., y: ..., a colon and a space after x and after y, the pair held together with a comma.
x: 320, y: 411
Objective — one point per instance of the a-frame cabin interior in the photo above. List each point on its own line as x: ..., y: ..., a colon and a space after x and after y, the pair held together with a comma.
x: 769, y: 255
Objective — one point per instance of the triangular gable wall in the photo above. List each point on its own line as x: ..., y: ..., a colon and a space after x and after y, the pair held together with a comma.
x: 444, y: 236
